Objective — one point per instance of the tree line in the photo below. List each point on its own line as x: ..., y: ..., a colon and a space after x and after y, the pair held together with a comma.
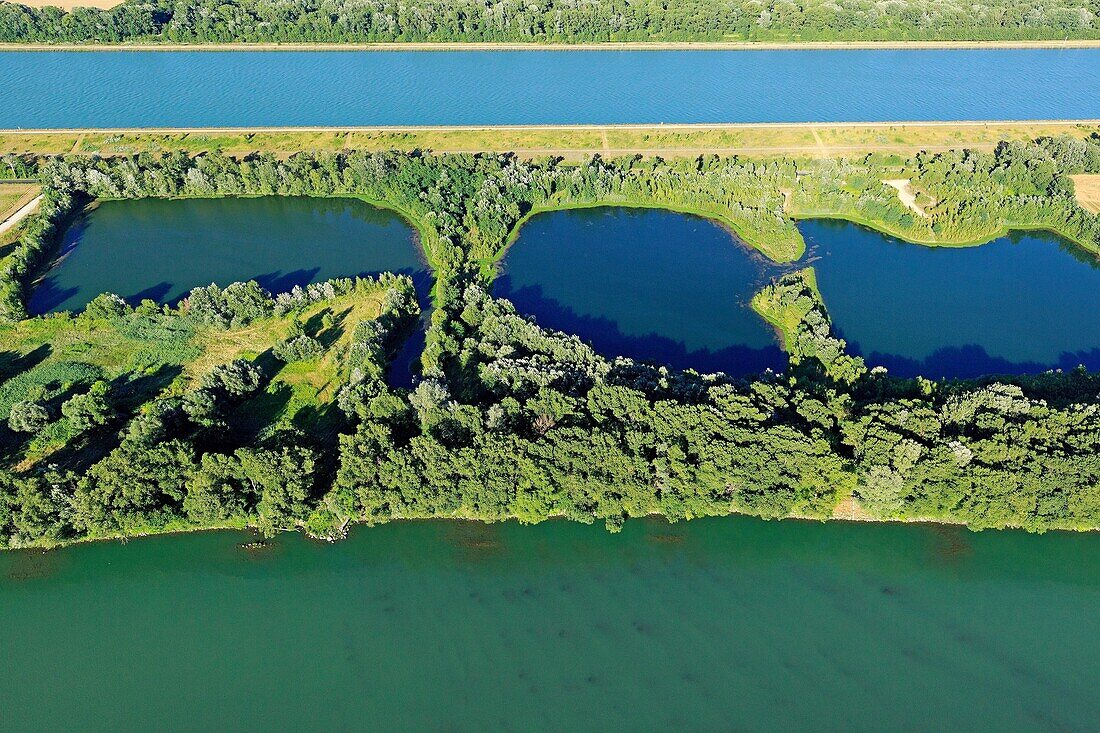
x: 555, y: 21
x: 511, y: 420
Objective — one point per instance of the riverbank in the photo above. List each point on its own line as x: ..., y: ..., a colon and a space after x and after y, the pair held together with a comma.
x: 846, y: 510
x: 543, y: 46
x: 572, y: 142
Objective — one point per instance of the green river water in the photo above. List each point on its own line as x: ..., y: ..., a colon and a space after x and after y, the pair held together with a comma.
x: 717, y: 624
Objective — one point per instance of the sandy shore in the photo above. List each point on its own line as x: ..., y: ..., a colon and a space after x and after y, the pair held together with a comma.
x: 624, y: 46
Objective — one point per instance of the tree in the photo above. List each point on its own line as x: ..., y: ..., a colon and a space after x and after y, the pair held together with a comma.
x: 90, y: 409
x: 299, y: 348
x: 217, y: 490
x: 28, y: 417
x: 283, y: 479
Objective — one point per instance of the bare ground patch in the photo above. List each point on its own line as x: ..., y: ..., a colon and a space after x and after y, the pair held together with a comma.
x: 1087, y: 188
x: 70, y: 4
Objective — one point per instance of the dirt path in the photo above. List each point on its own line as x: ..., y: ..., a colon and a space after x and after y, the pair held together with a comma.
x: 20, y: 215
x: 906, y: 194
x: 820, y: 143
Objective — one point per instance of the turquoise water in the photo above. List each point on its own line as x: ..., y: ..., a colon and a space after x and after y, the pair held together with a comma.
x: 1022, y: 303
x: 173, y: 89
x: 725, y: 624
x: 649, y: 284
x: 161, y: 249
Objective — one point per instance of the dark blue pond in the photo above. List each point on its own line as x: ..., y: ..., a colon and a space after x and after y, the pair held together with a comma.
x: 160, y: 249
x: 652, y: 285
x: 1023, y: 303
x: 166, y: 89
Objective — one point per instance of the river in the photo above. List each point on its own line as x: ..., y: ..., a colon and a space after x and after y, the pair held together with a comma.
x: 715, y: 624
x: 172, y: 88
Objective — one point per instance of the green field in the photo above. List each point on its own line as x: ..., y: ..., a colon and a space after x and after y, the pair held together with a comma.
x: 574, y: 143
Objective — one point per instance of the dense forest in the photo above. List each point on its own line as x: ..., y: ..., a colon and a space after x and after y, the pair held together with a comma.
x: 555, y: 21
x: 239, y: 407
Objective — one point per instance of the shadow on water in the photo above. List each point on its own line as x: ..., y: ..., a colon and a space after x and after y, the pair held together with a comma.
x: 405, y: 366
x: 1018, y: 304
x: 145, y: 249
x: 282, y: 282
x: 969, y: 362
x: 158, y: 292
x: 608, y: 339
x: 48, y: 296
x: 23, y: 566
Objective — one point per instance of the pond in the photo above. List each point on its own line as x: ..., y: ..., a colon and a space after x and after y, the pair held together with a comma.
x: 1020, y: 304
x: 704, y: 625
x: 109, y: 89
x: 160, y: 249
x: 649, y: 284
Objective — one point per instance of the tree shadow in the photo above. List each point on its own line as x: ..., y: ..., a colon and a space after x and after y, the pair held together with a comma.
x: 12, y: 362
x: 46, y: 295
x: 607, y: 338
x: 134, y: 391
x: 251, y: 417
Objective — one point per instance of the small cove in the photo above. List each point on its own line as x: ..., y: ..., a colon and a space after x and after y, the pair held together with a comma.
x: 160, y: 249
x: 1023, y: 303
x: 645, y: 283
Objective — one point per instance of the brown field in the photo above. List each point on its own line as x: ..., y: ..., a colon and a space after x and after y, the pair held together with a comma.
x: 70, y: 4
x: 13, y: 196
x: 1087, y: 187
x: 571, y: 142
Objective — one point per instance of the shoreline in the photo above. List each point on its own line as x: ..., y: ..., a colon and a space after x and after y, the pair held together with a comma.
x: 550, y: 46
x: 254, y: 529
x: 538, y: 127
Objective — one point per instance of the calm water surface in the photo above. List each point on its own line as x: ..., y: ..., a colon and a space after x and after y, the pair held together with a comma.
x: 649, y: 284
x: 172, y: 89
x: 727, y: 624
x: 1023, y: 303
x: 161, y: 249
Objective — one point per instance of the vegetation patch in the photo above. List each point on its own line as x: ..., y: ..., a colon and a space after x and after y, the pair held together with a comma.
x: 242, y: 407
x: 339, y: 21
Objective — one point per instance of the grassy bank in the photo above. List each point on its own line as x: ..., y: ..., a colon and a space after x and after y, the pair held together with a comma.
x: 571, y: 142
